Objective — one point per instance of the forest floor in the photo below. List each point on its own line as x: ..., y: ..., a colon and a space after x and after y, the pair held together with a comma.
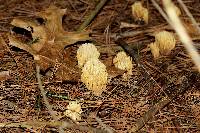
x: 161, y: 95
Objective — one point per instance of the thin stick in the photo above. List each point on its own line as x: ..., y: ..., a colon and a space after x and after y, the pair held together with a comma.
x: 45, y: 98
x: 148, y: 31
x: 39, y: 124
x: 181, y: 31
x: 160, y: 10
x: 149, y: 114
x: 92, y: 15
x: 179, y: 90
x: 189, y: 14
x: 105, y: 127
x: 128, y: 25
x: 44, y: 94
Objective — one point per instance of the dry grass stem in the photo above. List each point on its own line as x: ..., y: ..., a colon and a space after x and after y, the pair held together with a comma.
x: 160, y: 10
x: 181, y: 31
x: 51, y: 112
x: 189, y: 14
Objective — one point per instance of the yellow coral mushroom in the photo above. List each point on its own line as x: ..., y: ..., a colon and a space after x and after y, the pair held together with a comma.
x: 74, y: 110
x: 95, y: 76
x: 165, y: 42
x: 123, y: 62
x: 139, y: 12
x: 86, y: 52
x: 154, y: 50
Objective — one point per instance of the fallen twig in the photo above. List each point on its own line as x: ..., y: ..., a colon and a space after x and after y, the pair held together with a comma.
x: 45, y: 98
x: 44, y: 94
x: 182, y: 87
x: 104, y: 126
x: 149, y: 114
x: 189, y: 14
x: 92, y: 15
x: 128, y: 25
x: 40, y: 124
x: 149, y: 31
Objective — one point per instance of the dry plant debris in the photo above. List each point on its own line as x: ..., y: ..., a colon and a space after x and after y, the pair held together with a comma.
x: 122, y: 103
x: 191, y: 30
x: 49, y: 40
x: 4, y: 75
x: 139, y: 12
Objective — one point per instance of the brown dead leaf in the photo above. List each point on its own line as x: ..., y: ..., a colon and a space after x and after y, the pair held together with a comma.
x: 37, y: 31
x: 15, y: 42
x: 48, y: 42
x: 53, y: 22
x: 53, y: 17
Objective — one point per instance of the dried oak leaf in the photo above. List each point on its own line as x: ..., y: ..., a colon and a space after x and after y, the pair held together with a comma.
x: 48, y: 42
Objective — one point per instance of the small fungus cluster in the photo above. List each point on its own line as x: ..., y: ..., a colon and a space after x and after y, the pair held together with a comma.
x: 124, y: 62
x: 94, y: 74
x: 139, y: 12
x: 86, y: 52
x: 73, y: 110
x: 164, y: 43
